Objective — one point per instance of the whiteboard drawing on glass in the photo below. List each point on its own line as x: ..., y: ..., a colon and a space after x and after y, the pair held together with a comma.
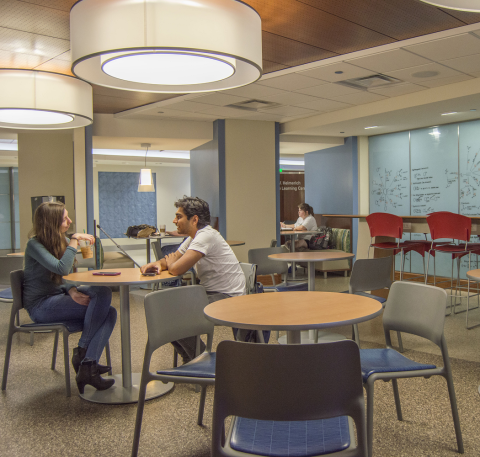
x: 469, y: 161
x: 389, y: 174
x: 389, y: 189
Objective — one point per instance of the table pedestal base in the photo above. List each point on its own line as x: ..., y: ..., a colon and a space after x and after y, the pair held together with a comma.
x: 323, y: 337
x: 118, y: 395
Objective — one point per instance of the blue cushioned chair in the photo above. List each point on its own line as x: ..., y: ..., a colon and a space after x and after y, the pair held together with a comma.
x: 420, y: 310
x: 67, y: 328
x: 371, y: 274
x: 173, y: 314
x: 282, y: 404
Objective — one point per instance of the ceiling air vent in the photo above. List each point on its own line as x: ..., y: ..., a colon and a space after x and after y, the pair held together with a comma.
x: 253, y: 105
x: 369, y: 82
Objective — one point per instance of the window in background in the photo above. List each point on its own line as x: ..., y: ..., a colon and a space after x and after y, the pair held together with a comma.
x: 9, y: 209
x: 121, y: 205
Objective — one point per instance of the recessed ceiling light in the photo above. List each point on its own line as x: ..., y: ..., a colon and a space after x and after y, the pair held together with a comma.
x: 160, y: 112
x: 339, y: 72
x: 425, y: 74
x: 371, y: 127
x: 448, y: 114
x: 342, y: 132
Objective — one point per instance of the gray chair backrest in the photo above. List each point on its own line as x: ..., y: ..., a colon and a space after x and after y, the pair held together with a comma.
x: 371, y: 274
x: 417, y: 309
x: 176, y: 313
x: 280, y: 382
x: 250, y: 272
x: 157, y: 249
x: 266, y: 266
x: 16, y: 283
x: 7, y: 265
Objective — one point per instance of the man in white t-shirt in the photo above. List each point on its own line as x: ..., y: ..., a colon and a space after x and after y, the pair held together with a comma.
x: 305, y: 222
x: 208, y: 253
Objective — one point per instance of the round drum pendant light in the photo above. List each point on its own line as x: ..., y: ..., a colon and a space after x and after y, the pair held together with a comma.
x: 170, y: 46
x: 39, y: 100
x: 461, y: 5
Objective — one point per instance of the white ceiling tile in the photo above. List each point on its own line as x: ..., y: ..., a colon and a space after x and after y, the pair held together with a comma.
x: 254, y: 91
x: 397, y: 89
x: 360, y: 98
x: 219, y: 99
x: 395, y: 59
x: 188, y: 106
x: 224, y: 111
x: 176, y: 114
x: 445, y: 81
x: 448, y: 48
x: 292, y: 81
x: 328, y: 90
x: 265, y: 117
x: 325, y: 105
x: 337, y: 72
x: 289, y: 111
x: 424, y: 73
x: 288, y: 98
x: 466, y: 64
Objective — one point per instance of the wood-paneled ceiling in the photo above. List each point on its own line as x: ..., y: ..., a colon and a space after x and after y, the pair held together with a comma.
x: 34, y: 34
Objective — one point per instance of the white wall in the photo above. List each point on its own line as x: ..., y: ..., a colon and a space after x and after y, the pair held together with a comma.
x: 171, y: 183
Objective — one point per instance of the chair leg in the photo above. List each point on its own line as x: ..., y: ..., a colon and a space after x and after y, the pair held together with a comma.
x: 66, y: 359
x: 369, y: 386
x: 175, y: 358
x: 7, y: 357
x: 32, y: 334
x: 400, y: 342
x: 201, y: 406
x: 109, y: 359
x: 17, y: 319
x: 456, y: 419
x: 55, y: 347
x: 356, y: 335
x: 140, y: 407
x: 396, y: 395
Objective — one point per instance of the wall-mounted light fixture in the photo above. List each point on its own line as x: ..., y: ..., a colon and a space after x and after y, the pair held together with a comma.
x: 40, y: 100
x: 145, y: 182
x: 166, y: 46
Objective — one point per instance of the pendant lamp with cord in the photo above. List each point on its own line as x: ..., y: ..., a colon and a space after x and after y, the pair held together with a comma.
x: 42, y: 100
x: 145, y: 182
x: 168, y: 46
x: 472, y: 6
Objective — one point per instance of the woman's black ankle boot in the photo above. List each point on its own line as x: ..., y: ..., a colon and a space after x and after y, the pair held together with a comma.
x: 79, y: 354
x: 88, y: 374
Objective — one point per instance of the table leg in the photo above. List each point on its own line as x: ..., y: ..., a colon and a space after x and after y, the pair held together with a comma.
x: 294, y: 337
x: 148, y: 250
x: 311, y: 276
x: 292, y: 247
x: 126, y: 387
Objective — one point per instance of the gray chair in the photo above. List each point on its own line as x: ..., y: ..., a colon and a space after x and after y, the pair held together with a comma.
x: 7, y: 265
x: 16, y: 280
x: 266, y: 266
x: 250, y: 272
x: 173, y: 314
x: 368, y: 275
x: 420, y: 310
x: 275, y: 391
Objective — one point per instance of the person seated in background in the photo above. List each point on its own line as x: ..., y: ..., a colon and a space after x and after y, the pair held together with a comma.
x: 49, y: 255
x: 214, y: 262
x: 305, y: 222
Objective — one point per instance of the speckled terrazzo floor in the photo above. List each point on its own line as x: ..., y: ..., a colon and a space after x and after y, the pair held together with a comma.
x: 37, y: 419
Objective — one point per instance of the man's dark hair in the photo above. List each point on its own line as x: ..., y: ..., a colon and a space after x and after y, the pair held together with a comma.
x: 194, y: 206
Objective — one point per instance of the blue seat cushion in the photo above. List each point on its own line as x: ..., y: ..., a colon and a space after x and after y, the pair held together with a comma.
x: 292, y: 287
x: 6, y: 294
x: 72, y: 326
x: 202, y: 366
x: 387, y: 361
x: 290, y: 439
x: 366, y: 294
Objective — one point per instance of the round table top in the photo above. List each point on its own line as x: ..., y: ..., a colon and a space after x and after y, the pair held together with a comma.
x: 297, y: 232
x: 293, y: 310
x: 235, y: 243
x: 474, y: 275
x: 127, y: 276
x: 311, y: 256
x: 16, y: 254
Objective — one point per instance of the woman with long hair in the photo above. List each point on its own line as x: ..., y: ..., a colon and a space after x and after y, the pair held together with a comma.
x: 49, y: 255
x: 305, y: 222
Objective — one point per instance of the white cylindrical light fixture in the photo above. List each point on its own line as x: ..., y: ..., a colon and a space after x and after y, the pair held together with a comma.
x: 39, y: 100
x: 461, y: 5
x: 169, y: 46
x: 145, y: 181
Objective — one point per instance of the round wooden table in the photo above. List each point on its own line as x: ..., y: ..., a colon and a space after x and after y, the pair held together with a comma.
x: 125, y: 389
x: 311, y: 257
x: 293, y: 312
x: 235, y: 243
x: 293, y: 234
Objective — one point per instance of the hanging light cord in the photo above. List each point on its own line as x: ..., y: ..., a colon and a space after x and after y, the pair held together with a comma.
x: 146, y: 152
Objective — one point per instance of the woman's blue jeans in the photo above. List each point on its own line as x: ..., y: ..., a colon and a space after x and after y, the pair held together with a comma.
x: 98, y: 317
